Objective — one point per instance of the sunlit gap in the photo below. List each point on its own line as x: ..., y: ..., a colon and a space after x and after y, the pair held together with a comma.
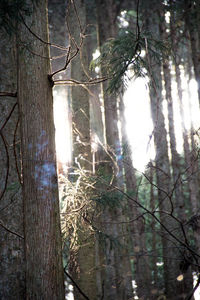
x: 139, y: 122
x: 63, y: 138
x: 62, y: 129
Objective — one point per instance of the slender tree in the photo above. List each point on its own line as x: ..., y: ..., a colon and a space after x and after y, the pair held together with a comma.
x: 178, y: 201
x: 192, y: 17
x: 137, y: 237
x: 83, y: 259
x: 163, y: 175
x: 117, y: 271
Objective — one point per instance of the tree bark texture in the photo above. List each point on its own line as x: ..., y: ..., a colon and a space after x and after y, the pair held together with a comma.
x: 12, y: 279
x: 192, y: 17
x: 83, y: 267
x: 171, y: 269
x: 118, y: 283
x: 43, y: 253
x: 183, y: 287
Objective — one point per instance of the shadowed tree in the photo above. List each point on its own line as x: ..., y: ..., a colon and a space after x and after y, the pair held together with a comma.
x: 118, y: 275
x: 43, y: 253
x: 192, y: 17
x: 163, y: 176
x: 12, y: 280
x: 185, y: 285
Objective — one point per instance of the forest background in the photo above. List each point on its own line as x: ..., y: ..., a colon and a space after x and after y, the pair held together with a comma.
x: 86, y: 223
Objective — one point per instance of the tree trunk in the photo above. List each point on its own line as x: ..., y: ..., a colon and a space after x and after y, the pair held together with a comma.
x: 192, y: 16
x: 12, y: 273
x: 137, y: 237
x: 184, y: 286
x: 83, y: 268
x: 43, y: 253
x: 191, y: 161
x: 153, y: 229
x: 118, y: 272
x: 171, y: 268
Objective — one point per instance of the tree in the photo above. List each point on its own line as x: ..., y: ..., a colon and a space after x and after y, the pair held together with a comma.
x: 43, y: 253
x: 118, y: 277
x: 162, y: 164
x: 12, y: 279
x: 112, y: 217
x: 82, y: 266
x: 136, y: 227
x: 192, y: 17
x: 178, y: 199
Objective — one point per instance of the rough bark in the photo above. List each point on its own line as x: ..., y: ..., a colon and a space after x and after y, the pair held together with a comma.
x: 84, y: 258
x: 43, y: 254
x: 192, y: 16
x: 12, y: 279
x: 183, y: 287
x: 163, y: 175
x: 191, y: 161
x: 190, y: 165
x: 117, y: 270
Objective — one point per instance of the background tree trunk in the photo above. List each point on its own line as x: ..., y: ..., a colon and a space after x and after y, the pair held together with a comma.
x: 83, y: 267
x: 191, y: 21
x: 137, y: 235
x: 185, y: 285
x: 118, y: 281
x: 163, y: 176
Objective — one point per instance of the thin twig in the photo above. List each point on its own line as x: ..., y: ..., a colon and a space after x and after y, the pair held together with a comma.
x: 75, y: 284
x: 7, y: 165
x: 194, y: 289
x: 8, y: 117
x: 15, y: 233
x: 66, y: 63
x: 157, y: 219
x: 8, y: 94
x: 15, y: 152
x: 76, y: 82
x: 39, y: 38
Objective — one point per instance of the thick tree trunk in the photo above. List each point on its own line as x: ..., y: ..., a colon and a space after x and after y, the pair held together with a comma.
x: 44, y: 270
x: 12, y: 279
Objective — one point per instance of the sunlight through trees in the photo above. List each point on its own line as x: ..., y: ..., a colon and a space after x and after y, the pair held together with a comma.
x: 99, y: 139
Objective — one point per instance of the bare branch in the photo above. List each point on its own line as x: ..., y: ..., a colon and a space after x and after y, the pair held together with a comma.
x: 75, y: 284
x: 8, y: 94
x: 39, y: 38
x: 76, y: 82
x: 11, y: 231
